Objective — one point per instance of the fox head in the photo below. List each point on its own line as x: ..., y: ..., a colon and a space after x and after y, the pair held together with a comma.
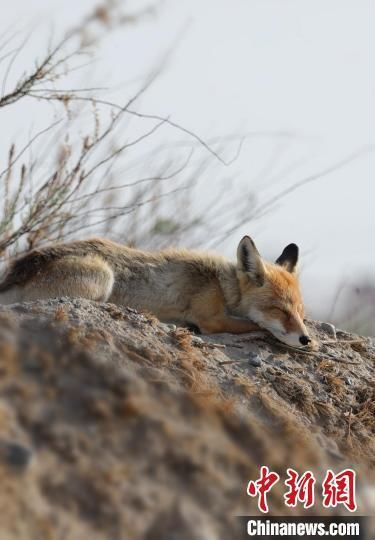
x: 270, y: 293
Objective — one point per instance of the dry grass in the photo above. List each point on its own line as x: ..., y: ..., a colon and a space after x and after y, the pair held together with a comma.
x: 296, y: 391
x: 246, y: 386
x: 61, y: 314
x: 335, y: 385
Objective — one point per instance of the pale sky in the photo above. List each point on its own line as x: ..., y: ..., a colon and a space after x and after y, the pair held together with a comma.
x: 299, y: 71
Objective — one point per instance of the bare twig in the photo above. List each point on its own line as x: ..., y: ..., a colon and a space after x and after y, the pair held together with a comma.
x: 267, y: 205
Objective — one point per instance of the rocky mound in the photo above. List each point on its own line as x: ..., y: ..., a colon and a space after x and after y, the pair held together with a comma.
x: 113, y: 425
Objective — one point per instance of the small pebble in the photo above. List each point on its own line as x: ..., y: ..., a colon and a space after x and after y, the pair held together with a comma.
x: 15, y: 454
x: 172, y: 327
x: 168, y: 327
x: 255, y: 360
x: 329, y: 329
x: 164, y: 327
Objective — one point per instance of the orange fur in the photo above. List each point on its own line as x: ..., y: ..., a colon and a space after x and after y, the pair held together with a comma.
x: 186, y: 287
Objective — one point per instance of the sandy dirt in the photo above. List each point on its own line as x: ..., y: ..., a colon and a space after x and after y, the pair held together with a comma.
x: 115, y: 426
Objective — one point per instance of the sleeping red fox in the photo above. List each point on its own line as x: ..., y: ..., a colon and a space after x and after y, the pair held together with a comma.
x: 187, y: 287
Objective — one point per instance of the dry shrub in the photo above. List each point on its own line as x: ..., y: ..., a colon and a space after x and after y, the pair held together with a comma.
x: 68, y: 178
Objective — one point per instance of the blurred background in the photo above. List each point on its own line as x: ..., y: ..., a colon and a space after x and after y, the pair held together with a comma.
x: 193, y: 123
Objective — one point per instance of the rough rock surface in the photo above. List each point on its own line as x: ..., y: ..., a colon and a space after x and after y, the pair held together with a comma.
x: 113, y: 425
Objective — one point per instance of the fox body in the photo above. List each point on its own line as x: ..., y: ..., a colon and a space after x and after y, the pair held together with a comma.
x: 186, y: 287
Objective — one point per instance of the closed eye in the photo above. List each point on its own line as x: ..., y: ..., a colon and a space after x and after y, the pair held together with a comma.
x: 283, y: 311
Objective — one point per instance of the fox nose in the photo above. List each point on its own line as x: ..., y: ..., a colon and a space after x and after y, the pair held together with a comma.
x: 305, y: 340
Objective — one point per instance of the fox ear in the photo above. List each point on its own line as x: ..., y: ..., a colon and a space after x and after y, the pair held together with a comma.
x: 249, y: 260
x: 289, y: 258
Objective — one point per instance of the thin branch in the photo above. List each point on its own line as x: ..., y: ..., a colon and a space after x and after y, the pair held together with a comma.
x: 265, y: 207
x: 17, y: 51
x: 125, y: 147
x: 136, y: 182
x: 166, y: 120
x: 130, y: 210
x: 29, y: 144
